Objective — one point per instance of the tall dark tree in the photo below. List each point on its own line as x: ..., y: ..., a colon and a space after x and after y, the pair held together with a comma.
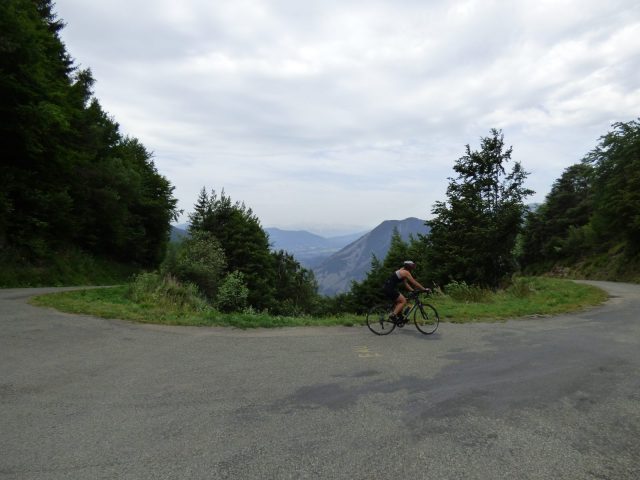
x: 68, y: 177
x: 245, y: 243
x: 473, y: 233
x: 568, y: 207
x: 34, y: 115
x: 295, y: 287
x: 617, y: 185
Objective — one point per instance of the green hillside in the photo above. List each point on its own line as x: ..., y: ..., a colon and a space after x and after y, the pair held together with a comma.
x: 75, y: 193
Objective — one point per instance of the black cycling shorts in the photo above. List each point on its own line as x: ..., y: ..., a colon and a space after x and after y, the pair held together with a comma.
x: 391, y: 293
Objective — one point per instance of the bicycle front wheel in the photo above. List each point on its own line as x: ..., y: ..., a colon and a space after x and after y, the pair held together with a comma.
x: 378, y: 320
x: 426, y: 318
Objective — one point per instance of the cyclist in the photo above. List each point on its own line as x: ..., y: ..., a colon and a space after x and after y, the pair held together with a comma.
x: 390, y: 288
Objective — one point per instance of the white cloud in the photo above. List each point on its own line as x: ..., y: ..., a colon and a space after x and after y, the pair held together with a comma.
x: 352, y: 112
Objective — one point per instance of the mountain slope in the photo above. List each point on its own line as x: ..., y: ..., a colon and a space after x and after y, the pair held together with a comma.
x: 178, y: 233
x: 295, y: 240
x: 335, y: 274
x: 308, y: 248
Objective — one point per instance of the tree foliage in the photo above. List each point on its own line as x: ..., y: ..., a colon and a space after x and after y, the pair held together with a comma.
x: 295, y: 288
x: 275, y: 280
x: 473, y: 233
x: 198, y: 259
x: 593, y: 207
x: 567, y: 208
x: 617, y: 185
x: 68, y: 177
x: 233, y: 293
x: 245, y: 243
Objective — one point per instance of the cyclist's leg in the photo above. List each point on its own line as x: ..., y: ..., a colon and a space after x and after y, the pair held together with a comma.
x: 401, y: 301
x: 394, y: 297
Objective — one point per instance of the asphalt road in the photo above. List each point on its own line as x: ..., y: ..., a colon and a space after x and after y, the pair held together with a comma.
x: 543, y: 398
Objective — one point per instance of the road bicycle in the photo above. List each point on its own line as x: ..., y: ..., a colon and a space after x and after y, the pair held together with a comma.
x: 425, y: 316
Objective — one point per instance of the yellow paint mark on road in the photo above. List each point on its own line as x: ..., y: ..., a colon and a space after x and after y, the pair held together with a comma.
x: 364, y: 352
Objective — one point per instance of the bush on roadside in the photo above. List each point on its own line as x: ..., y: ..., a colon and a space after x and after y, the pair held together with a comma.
x: 463, y: 292
x: 233, y: 293
x: 158, y: 290
x: 199, y: 260
x: 520, y: 287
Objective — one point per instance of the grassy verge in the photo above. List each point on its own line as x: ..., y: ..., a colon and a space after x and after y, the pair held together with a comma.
x: 540, y: 296
x: 536, y: 296
x: 70, y: 267
x: 114, y: 303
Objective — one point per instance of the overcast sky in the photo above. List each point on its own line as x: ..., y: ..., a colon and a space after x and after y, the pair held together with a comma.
x: 336, y: 115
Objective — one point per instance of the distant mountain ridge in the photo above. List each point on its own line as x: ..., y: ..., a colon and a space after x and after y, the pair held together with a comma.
x: 177, y: 233
x: 335, y: 261
x: 335, y: 274
x: 308, y: 248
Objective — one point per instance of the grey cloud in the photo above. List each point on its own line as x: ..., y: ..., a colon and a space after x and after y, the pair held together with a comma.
x: 347, y: 93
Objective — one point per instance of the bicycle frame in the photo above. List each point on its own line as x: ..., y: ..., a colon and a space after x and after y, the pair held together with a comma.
x: 425, y: 316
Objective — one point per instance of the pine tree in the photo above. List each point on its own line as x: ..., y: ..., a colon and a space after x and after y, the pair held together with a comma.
x: 473, y: 233
x: 617, y: 186
x: 34, y: 117
x: 68, y: 178
x: 295, y: 288
x: 245, y: 243
x: 568, y: 207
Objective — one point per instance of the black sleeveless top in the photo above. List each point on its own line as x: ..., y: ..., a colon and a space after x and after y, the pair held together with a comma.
x: 392, y: 281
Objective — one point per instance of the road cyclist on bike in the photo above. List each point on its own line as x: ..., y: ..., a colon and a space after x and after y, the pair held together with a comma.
x: 390, y: 289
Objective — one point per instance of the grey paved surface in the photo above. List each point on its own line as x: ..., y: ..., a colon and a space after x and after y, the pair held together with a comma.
x: 546, y: 398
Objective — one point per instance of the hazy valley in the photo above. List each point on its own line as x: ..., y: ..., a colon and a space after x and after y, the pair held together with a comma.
x: 335, y: 261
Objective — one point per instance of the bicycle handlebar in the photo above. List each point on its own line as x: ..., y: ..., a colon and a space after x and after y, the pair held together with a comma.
x: 415, y: 293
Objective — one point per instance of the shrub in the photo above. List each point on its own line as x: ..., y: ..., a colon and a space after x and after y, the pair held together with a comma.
x: 462, y: 292
x: 198, y: 259
x: 167, y: 291
x: 520, y: 287
x: 233, y: 293
x: 143, y: 286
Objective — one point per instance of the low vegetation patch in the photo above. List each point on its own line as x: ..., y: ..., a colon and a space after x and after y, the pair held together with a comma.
x: 525, y: 297
x: 118, y: 303
x: 59, y: 269
x: 165, y: 301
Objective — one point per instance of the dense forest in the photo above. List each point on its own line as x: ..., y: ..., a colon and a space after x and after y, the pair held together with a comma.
x: 249, y: 273
x: 69, y: 179
x: 589, y: 224
x: 72, y: 186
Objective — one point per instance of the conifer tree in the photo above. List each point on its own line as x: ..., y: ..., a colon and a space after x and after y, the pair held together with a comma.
x: 68, y: 178
x: 473, y: 233
x: 593, y: 207
x: 567, y: 207
x: 275, y: 280
x: 245, y: 243
x: 616, y: 160
x: 295, y: 289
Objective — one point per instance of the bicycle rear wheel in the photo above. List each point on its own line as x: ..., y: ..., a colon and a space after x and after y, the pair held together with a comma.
x: 378, y: 320
x: 426, y: 318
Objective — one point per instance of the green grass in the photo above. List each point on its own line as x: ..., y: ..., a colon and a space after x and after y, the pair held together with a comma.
x: 113, y: 302
x: 533, y: 297
x: 545, y: 296
x: 59, y: 269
